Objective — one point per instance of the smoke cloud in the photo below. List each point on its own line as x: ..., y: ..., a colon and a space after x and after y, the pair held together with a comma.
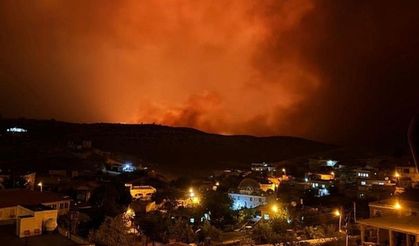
x: 328, y: 70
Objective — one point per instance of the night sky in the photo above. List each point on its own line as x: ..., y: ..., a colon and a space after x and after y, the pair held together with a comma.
x: 345, y: 72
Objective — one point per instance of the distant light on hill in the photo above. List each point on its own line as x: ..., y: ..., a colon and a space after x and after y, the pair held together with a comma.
x: 16, y: 130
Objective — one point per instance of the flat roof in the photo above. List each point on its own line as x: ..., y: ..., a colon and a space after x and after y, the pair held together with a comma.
x: 23, y: 197
x: 406, y: 224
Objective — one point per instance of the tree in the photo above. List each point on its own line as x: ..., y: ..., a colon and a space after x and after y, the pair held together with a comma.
x: 154, y: 226
x: 218, y: 205
x: 262, y: 233
x: 246, y: 214
x: 181, y: 231
x: 113, y: 232
x: 208, y: 231
x: 112, y: 198
x: 314, y: 232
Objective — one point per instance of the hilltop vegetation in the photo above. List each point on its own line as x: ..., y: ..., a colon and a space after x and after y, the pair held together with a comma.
x: 172, y: 149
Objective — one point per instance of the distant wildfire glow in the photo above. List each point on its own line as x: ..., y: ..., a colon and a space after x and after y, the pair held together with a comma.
x: 268, y: 67
x: 196, y: 63
x: 184, y: 63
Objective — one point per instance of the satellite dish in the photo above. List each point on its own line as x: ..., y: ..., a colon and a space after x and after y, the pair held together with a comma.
x: 50, y: 224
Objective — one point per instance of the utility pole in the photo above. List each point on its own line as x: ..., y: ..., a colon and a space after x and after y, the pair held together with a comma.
x: 355, y: 211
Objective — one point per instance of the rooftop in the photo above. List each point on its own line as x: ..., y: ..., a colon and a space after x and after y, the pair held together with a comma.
x: 23, y: 197
x: 406, y: 224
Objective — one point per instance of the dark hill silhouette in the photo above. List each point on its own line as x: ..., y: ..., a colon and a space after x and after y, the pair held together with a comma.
x: 174, y: 149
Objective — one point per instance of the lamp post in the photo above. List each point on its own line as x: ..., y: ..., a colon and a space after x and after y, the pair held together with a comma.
x: 398, y: 207
x: 40, y: 186
x: 397, y: 176
x: 339, y: 214
x: 284, y: 171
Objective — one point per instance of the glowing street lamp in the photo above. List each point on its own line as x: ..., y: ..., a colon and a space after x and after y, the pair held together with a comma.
x: 284, y: 171
x: 397, y: 205
x: 274, y: 208
x: 194, y: 198
x: 40, y: 186
x: 130, y: 212
x: 337, y: 213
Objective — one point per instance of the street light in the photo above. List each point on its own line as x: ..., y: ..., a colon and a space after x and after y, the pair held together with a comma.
x: 339, y: 214
x: 40, y: 185
x: 397, y: 205
x: 194, y: 198
x: 274, y: 208
x: 284, y: 171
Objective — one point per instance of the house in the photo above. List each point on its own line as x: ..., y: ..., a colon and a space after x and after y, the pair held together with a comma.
x: 393, y: 206
x: 392, y: 222
x: 10, y: 199
x: 32, y: 211
x: 250, y: 185
x: 247, y: 200
x: 141, y: 192
x: 33, y: 220
x: 406, y: 176
x: 262, y: 167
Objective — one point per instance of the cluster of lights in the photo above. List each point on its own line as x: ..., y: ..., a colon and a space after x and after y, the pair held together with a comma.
x: 128, y: 168
x: 331, y: 163
x: 194, y: 198
x: 16, y: 129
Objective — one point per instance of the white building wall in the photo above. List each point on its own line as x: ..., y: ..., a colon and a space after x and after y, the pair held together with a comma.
x: 62, y: 206
x: 246, y: 201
